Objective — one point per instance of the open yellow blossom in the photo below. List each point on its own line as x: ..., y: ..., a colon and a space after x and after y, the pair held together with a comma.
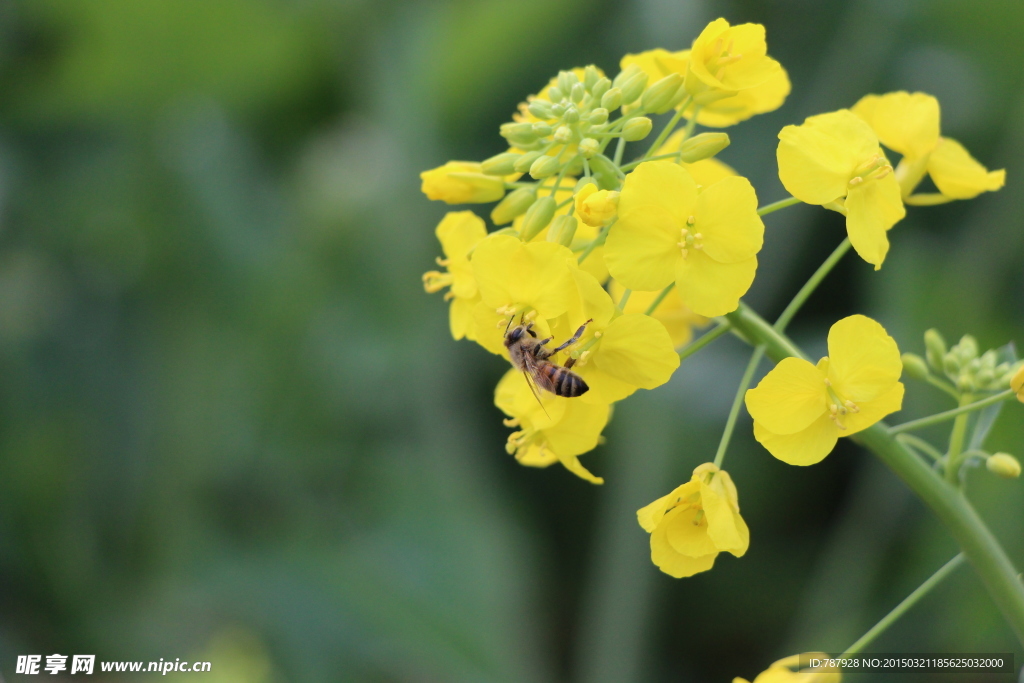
x: 727, y: 58
x: 834, y: 160
x: 556, y: 430
x: 666, y: 231
x: 706, y: 171
x: 800, y: 410
x: 1017, y: 384
x: 458, y: 233
x: 617, y: 354
x: 677, y: 318
x: 730, y: 109
x: 461, y: 182
x: 787, y: 671
x: 596, y: 207
x: 698, y: 520
x: 908, y: 123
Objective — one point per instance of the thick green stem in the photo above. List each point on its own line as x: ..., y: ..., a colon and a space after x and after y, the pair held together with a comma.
x: 730, y: 424
x: 947, y: 502
x: 812, y: 284
x: 951, y: 414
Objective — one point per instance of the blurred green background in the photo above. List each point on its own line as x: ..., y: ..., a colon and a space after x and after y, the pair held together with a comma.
x: 234, y: 428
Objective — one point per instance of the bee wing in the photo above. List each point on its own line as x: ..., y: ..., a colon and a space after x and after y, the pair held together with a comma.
x: 531, y: 369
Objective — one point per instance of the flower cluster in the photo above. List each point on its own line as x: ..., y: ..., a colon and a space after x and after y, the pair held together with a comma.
x: 597, y: 271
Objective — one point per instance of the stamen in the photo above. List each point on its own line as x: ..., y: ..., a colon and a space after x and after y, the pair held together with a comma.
x: 852, y: 407
x: 510, y: 422
x: 443, y: 262
x: 856, y: 181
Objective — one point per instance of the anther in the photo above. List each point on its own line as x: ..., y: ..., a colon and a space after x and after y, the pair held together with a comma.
x: 685, y: 252
x: 691, y: 220
x: 828, y: 382
x: 856, y: 181
x: 510, y: 422
x: 597, y: 335
x: 443, y: 262
x: 698, y: 236
x: 698, y: 247
x: 851, y: 406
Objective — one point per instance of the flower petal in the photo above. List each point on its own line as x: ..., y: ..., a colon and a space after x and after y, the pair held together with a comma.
x: 726, y: 217
x: 958, y: 175
x: 711, y: 288
x: 671, y: 562
x: 636, y: 349
x: 650, y: 515
x: 460, y: 318
x: 789, y: 398
x: 726, y: 528
x: 864, y: 361
x: 641, y: 251
x: 686, y: 534
x: 534, y: 275
x: 573, y: 464
x: 806, y: 447
x: 873, y: 411
x: 659, y: 183
x: 767, y: 96
x: 513, y: 397
x: 905, y: 122
x: 818, y: 158
x: 872, y: 208
x: 579, y: 430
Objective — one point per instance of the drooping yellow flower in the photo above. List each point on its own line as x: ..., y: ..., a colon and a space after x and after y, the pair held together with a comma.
x: 617, y: 354
x: 596, y: 207
x: 800, y: 410
x: 834, y: 160
x: 677, y: 318
x: 730, y: 109
x: 698, y: 520
x: 666, y: 231
x: 727, y: 59
x: 1017, y: 384
x: 518, y: 279
x: 555, y: 430
x: 908, y: 123
x: 787, y: 671
x: 462, y: 182
x: 458, y: 233
x: 706, y: 171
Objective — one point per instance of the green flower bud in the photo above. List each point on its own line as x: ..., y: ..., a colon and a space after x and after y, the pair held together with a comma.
x: 544, y: 166
x: 566, y: 80
x: 603, y: 171
x: 914, y: 365
x: 661, y: 96
x: 951, y: 364
x: 612, y: 99
x: 625, y: 75
x: 578, y: 93
x: 542, y: 129
x: 1003, y: 465
x: 703, y: 146
x: 525, y: 162
x: 583, y: 182
x: 540, y: 109
x: 557, y: 111
x: 518, y: 133
x: 571, y: 115
x: 500, y: 164
x: 514, y: 204
x: 563, y: 134
x: 633, y: 88
x: 935, y: 347
x: 600, y: 88
x: 537, y: 218
x: 598, y: 116
x: 637, y: 129
x: 985, y: 377
x: 967, y: 348
x: 588, y: 147
x: 556, y: 94
x: 563, y: 229
x: 591, y: 75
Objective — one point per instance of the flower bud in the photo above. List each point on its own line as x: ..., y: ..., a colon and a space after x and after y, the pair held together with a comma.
x: 598, y: 116
x: 637, y: 129
x: 544, y: 166
x: 661, y: 96
x: 913, y: 364
x: 578, y: 93
x: 591, y: 75
x: 514, y: 204
x: 556, y: 94
x: 571, y: 115
x: 583, y: 182
x: 563, y: 134
x: 563, y: 229
x: 967, y: 348
x: 461, y: 182
x: 525, y: 161
x: 612, y: 99
x: 1017, y: 383
x: 566, y: 81
x: 1003, y: 465
x: 540, y: 109
x: 603, y: 171
x: 600, y: 88
x: 537, y: 218
x: 625, y: 75
x: 935, y: 347
x: 633, y: 88
x: 703, y: 146
x: 518, y: 133
x: 596, y: 207
x: 951, y: 364
x: 500, y: 164
x: 542, y: 129
x: 557, y: 111
x: 588, y: 147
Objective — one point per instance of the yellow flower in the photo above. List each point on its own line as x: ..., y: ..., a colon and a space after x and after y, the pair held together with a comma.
x: 800, y: 409
x: 1017, y: 384
x: 560, y: 430
x: 786, y: 671
x: 596, y: 207
x: 617, y: 354
x: 706, y: 171
x: 516, y: 278
x: 698, y: 520
x: 835, y: 156
x: 719, y: 113
x: 908, y: 123
x: 458, y: 233
x: 677, y: 318
x: 727, y: 58
x: 461, y: 182
x: 666, y: 231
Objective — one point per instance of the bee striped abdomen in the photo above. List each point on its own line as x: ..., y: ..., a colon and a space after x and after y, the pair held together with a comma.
x: 560, y: 381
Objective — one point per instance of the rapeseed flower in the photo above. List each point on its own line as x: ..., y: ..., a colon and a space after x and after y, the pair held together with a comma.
x: 800, y: 410
x: 596, y: 207
x: 462, y: 182
x: 786, y: 671
x: 667, y: 231
x: 553, y: 430
x: 908, y: 123
x: 727, y: 59
x: 677, y: 318
x: 834, y: 160
x: 458, y: 233
x: 698, y: 520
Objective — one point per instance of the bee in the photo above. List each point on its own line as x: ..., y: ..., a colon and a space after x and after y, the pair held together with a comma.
x: 530, y: 355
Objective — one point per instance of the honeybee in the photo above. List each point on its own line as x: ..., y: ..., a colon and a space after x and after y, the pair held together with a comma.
x: 530, y: 355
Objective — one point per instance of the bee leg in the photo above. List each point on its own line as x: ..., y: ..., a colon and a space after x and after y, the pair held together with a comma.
x: 574, y: 338
x: 569, y: 363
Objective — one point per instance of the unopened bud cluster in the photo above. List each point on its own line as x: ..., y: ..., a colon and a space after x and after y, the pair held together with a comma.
x: 963, y: 364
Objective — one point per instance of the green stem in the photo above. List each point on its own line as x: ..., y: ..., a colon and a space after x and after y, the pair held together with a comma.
x: 944, y: 386
x: 956, y: 441
x: 657, y: 157
x: 811, y: 285
x: 658, y: 299
x: 730, y: 423
x: 949, y: 505
x: 951, y: 414
x: 921, y: 446
x: 666, y: 131
x: 625, y: 299
x: 775, y: 206
x: 902, y: 608
x: 695, y: 346
x: 595, y: 243
x: 619, y: 149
